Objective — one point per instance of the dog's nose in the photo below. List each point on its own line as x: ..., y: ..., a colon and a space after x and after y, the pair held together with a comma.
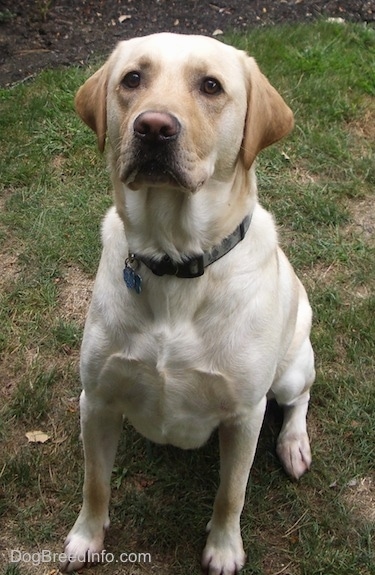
x: 156, y: 127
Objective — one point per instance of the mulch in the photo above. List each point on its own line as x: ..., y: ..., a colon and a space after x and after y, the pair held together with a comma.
x: 38, y: 34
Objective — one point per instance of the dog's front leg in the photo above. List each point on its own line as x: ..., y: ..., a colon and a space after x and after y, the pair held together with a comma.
x: 101, y: 426
x: 224, y: 554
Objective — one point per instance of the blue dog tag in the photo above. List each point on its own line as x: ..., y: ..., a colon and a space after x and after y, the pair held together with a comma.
x: 131, y: 278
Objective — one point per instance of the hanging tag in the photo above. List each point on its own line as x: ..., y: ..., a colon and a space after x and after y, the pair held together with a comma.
x: 131, y: 278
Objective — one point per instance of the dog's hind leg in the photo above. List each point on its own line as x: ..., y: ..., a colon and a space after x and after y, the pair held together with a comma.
x: 292, y: 393
x: 293, y: 445
x: 101, y: 427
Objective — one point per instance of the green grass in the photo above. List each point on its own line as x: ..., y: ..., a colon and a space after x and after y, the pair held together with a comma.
x: 319, y: 184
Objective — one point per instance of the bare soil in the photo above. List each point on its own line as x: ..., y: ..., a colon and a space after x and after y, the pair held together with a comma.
x: 38, y: 34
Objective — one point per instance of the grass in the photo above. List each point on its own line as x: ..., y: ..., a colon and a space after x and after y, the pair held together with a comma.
x: 319, y: 184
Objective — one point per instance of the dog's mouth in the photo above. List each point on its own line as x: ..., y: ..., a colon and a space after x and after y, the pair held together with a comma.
x: 164, y: 166
x: 156, y: 171
x: 153, y: 173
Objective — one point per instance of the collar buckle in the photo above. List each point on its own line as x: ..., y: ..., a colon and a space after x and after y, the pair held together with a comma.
x: 192, y: 269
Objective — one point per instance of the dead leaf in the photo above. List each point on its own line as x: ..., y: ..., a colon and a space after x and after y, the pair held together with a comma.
x: 336, y: 20
x: 352, y: 483
x: 37, y: 436
x: 124, y: 17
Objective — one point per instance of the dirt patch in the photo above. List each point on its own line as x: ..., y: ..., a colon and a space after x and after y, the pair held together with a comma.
x: 8, y: 378
x: 75, y: 295
x: 10, y: 268
x: 303, y: 176
x: 364, y: 127
x: 363, y: 220
x: 363, y: 210
x: 360, y: 498
x: 49, y: 33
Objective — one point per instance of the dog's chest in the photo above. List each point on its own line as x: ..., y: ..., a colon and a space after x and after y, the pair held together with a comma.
x: 168, y: 387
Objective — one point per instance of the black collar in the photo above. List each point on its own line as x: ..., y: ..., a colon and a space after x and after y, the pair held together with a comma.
x: 192, y: 267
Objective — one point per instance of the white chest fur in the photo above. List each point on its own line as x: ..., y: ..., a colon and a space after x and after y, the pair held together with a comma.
x: 165, y: 387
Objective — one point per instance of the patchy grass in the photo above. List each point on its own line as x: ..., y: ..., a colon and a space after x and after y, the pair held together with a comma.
x: 319, y: 184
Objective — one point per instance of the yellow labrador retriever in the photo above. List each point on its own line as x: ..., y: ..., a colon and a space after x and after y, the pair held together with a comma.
x: 197, y: 316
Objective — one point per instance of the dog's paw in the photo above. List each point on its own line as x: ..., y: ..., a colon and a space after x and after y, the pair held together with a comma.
x: 83, y: 547
x: 295, y: 454
x: 223, y: 554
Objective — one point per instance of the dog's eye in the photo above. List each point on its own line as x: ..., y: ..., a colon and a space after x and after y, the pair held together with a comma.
x: 211, y: 86
x: 131, y: 80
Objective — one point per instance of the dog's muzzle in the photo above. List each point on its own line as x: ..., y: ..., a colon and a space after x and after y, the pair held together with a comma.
x: 154, y: 152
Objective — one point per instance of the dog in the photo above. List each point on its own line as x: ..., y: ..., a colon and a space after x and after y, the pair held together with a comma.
x: 197, y: 317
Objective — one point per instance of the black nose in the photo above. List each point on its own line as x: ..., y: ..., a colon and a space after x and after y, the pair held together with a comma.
x: 156, y: 127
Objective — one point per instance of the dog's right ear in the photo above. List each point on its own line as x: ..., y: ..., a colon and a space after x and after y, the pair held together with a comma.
x: 91, y: 104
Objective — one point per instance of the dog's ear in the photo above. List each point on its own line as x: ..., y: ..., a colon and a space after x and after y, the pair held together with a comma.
x: 268, y: 117
x: 91, y: 104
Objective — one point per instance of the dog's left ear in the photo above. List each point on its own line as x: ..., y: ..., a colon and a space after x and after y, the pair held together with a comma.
x: 268, y: 117
x: 91, y: 104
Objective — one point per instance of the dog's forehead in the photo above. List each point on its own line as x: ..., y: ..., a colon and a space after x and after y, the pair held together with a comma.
x: 174, y: 50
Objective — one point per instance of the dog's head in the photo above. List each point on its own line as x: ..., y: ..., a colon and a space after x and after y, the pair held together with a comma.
x: 179, y: 110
